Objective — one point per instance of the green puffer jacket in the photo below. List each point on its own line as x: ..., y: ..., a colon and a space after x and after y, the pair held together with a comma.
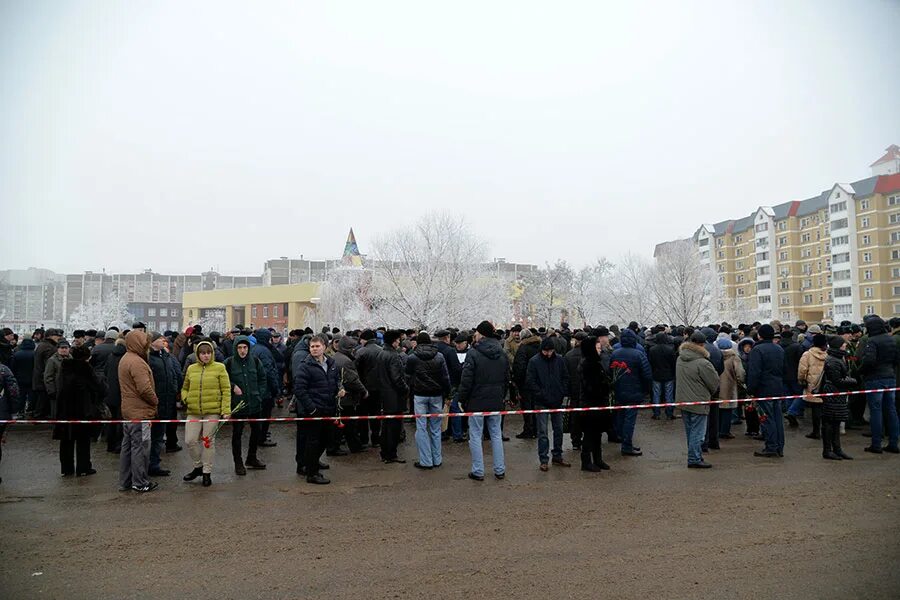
x: 207, y: 388
x: 696, y: 380
x: 249, y: 375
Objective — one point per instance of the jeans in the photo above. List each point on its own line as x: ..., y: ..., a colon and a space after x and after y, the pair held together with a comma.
x: 793, y: 388
x: 625, y: 420
x: 456, y: 423
x: 664, y: 390
x: 773, y: 428
x: 882, y: 409
x: 544, y: 441
x: 428, y: 429
x: 476, y: 432
x: 694, y: 429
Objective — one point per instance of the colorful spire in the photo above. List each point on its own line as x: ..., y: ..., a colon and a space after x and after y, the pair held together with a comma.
x: 351, y: 257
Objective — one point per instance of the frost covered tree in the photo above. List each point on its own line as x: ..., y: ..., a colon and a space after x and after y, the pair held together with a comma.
x: 628, y: 298
x: 112, y: 311
x: 212, y: 320
x: 682, y: 286
x: 344, y: 298
x: 590, y: 290
x: 430, y: 274
x: 546, y: 293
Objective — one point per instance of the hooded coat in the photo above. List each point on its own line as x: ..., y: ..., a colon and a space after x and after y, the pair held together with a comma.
x: 731, y: 378
x: 139, y: 400
x: 631, y: 387
x: 23, y: 364
x: 879, y: 355
x: 485, y: 377
x: 264, y: 352
x: 696, y: 379
x: 715, y: 355
x: 810, y: 372
x: 113, y: 390
x: 428, y: 372
x: 207, y: 388
x: 79, y: 396
x: 166, y: 382
x: 595, y: 381
x: 249, y: 375
x: 662, y: 358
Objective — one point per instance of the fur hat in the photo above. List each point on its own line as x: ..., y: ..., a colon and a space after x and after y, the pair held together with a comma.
x: 391, y: 336
x: 486, y: 328
x: 423, y: 338
x: 819, y: 340
x: 836, y: 342
x: 547, y: 344
x: 766, y: 332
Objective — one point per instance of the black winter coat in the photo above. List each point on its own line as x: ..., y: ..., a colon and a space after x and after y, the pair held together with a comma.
x: 42, y: 353
x: 113, y: 391
x: 390, y: 381
x: 366, y: 365
x: 454, y: 367
x: 348, y: 374
x: 100, y: 354
x: 79, y: 396
x: 792, y: 353
x: 316, y: 388
x: 23, y: 364
x: 662, y: 361
x: 836, y: 378
x: 427, y: 371
x: 166, y: 381
x: 573, y: 359
x: 6, y: 352
x: 527, y: 349
x: 485, y: 377
x: 879, y: 356
x: 547, y: 380
x: 765, y: 370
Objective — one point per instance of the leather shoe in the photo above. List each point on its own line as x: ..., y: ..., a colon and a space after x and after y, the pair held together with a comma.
x: 86, y: 472
x: 419, y: 465
x: 545, y: 467
x: 207, y: 480
x: 475, y: 477
x: 873, y: 449
x: 239, y: 469
x: 763, y: 454
x: 844, y: 455
x: 699, y: 465
x: 159, y: 473
x: 318, y: 479
x: 561, y: 463
x: 830, y: 456
x: 175, y: 448
x: 255, y: 463
x: 634, y: 452
x: 892, y: 449
x: 197, y: 472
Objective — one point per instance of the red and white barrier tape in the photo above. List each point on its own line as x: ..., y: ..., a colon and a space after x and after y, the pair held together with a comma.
x: 441, y: 415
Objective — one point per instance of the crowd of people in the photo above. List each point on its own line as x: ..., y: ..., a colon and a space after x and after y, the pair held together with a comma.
x: 139, y: 376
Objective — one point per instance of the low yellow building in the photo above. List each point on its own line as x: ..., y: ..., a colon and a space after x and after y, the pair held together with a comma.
x: 278, y: 306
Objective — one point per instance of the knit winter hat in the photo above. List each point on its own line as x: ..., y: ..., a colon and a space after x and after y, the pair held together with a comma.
x: 423, y: 338
x: 155, y: 336
x: 819, y: 340
x: 766, y: 332
x: 836, y: 342
x: 486, y: 328
x: 547, y: 344
x: 698, y: 338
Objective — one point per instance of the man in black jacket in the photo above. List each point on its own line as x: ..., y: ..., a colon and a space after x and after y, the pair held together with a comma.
x: 390, y: 381
x: 573, y: 359
x: 101, y: 352
x: 529, y: 346
x: 482, y: 388
x: 167, y: 383
x: 792, y: 353
x: 662, y: 363
x: 547, y: 382
x: 366, y: 361
x: 45, y: 349
x: 429, y: 380
x: 878, y: 359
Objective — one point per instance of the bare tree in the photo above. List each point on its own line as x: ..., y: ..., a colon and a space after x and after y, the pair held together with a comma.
x: 424, y: 275
x: 547, y: 291
x: 345, y: 298
x: 590, y: 288
x: 101, y: 315
x: 629, y: 298
x: 212, y: 320
x: 682, y: 286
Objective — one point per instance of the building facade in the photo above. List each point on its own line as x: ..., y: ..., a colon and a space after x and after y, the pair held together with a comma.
x: 831, y: 257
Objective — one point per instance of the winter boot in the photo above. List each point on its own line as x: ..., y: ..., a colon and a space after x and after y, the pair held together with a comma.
x: 239, y: 467
x: 598, y: 458
x: 587, y: 463
x: 255, y: 463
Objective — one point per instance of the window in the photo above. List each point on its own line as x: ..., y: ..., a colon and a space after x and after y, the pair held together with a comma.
x: 762, y: 256
x: 720, y: 267
x: 765, y: 299
x: 807, y: 269
x: 784, y: 285
x: 764, y: 285
x: 894, y: 201
x: 894, y: 219
x: 721, y: 279
x: 739, y: 264
x: 738, y: 239
x: 806, y: 284
x: 841, y: 275
x: 738, y: 252
x: 164, y: 312
x: 867, y: 257
x: 782, y: 241
x: 785, y: 301
x: 864, y: 223
x: 895, y: 273
x: 704, y: 254
x: 844, y: 257
x: 868, y: 292
x: 740, y: 291
x: 843, y: 292
x: 739, y: 279
x: 863, y: 205
x: 275, y: 312
x: 866, y: 240
x: 253, y: 311
x: 266, y: 311
x: 782, y: 225
x: 839, y: 224
x: 782, y: 256
x: 720, y: 242
x: 804, y: 223
x: 807, y: 298
x: 762, y: 242
x: 896, y: 290
x: 840, y: 240
x: 721, y: 254
x: 805, y: 238
x: 806, y: 253
x: 895, y: 254
x: 173, y: 312
x: 867, y: 274
x: 762, y: 270
x: 704, y: 242
x: 151, y: 312
x: 762, y: 227
x: 870, y: 310
x: 838, y: 206
x: 895, y: 237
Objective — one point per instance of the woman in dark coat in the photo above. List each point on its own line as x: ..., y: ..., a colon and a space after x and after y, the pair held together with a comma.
x: 81, y: 393
x: 835, y: 378
x: 595, y: 387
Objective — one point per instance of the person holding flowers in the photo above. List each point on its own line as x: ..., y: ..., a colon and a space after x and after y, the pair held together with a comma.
x: 633, y: 382
x: 206, y: 393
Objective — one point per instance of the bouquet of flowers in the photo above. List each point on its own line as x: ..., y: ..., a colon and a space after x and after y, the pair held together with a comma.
x: 340, y: 394
x: 618, y: 369
x: 207, y: 439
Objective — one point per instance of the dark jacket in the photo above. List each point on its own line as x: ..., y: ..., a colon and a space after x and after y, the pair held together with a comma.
x: 879, y: 356
x: 166, y: 382
x: 631, y: 387
x: 263, y: 351
x: 9, y: 393
x: 113, y: 391
x: 792, y: 353
x: 765, y: 370
x: 316, y: 387
x: 454, y: 367
x: 662, y: 358
x: 6, y: 353
x: 595, y: 381
x: 528, y: 347
x: 80, y: 394
x: 428, y: 372
x: 23, y: 364
x: 547, y: 380
x: 347, y: 373
x: 715, y: 355
x: 573, y: 359
x: 249, y: 375
x: 390, y: 381
x: 485, y: 377
x: 366, y: 363
x: 100, y: 354
x: 836, y: 378
x: 42, y: 353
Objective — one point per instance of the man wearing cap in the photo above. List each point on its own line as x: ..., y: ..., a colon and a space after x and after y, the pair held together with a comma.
x: 765, y: 378
x: 52, y: 372
x: 101, y: 352
x: 393, y: 391
x: 696, y: 381
x: 482, y: 388
x: 167, y: 383
x: 45, y: 349
x: 139, y: 326
x: 547, y: 382
x: 573, y: 359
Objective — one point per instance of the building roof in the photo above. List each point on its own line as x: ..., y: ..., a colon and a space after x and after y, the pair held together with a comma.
x: 887, y: 184
x: 351, y: 256
x: 864, y: 187
x: 892, y: 152
x: 814, y: 204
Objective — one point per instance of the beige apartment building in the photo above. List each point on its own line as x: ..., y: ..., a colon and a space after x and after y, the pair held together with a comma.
x: 832, y: 257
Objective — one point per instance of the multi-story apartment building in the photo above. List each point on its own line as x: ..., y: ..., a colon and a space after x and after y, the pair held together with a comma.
x: 833, y: 256
x: 30, y: 298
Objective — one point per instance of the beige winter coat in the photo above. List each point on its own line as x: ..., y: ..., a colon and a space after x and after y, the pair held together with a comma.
x: 731, y: 378
x: 812, y: 365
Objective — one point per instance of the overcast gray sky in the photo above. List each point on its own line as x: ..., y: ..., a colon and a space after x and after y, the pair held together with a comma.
x: 183, y: 135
